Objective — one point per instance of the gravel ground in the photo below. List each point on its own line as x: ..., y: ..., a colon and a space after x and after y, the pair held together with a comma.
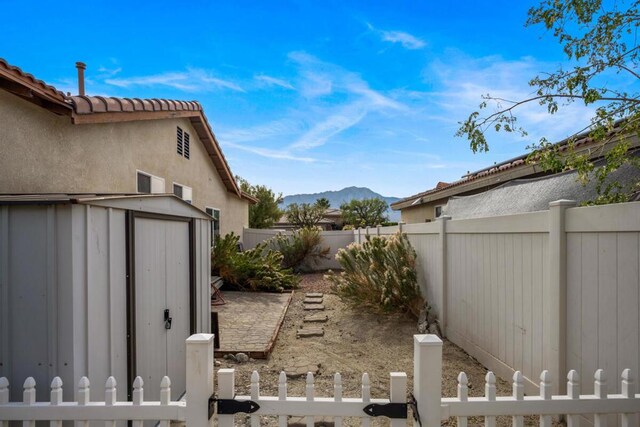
x: 354, y: 342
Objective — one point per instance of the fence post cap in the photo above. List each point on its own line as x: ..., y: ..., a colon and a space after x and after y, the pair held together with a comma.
x: 427, y: 339
x: 563, y: 202
x: 443, y: 218
x: 200, y: 339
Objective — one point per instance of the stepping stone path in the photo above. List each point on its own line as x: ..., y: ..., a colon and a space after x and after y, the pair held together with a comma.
x: 300, y: 368
x: 313, y: 302
x: 316, y: 318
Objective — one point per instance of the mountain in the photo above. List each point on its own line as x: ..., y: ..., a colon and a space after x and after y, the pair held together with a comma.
x: 336, y: 198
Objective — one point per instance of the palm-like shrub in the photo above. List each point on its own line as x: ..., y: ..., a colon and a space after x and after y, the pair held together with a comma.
x: 302, y: 250
x: 379, y: 274
x: 257, y: 269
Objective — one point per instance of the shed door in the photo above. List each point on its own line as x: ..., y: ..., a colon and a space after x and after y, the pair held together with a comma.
x: 161, y: 260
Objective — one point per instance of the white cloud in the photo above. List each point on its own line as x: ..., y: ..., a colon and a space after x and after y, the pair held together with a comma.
x: 272, y: 154
x: 463, y: 80
x: 335, y: 123
x: 273, y: 81
x: 408, y: 41
x: 191, y: 80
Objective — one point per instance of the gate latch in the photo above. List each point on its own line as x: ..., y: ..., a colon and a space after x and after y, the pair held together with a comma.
x: 389, y: 410
x: 232, y: 406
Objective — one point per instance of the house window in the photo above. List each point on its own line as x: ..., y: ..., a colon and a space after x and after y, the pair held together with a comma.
x: 144, y: 183
x: 179, y: 142
x: 438, y: 211
x: 184, y: 192
x: 215, y: 223
x: 149, y: 184
x: 182, y: 143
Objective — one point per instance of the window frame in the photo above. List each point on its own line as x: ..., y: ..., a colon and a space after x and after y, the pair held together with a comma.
x: 183, y: 187
x: 214, y: 220
x: 152, y: 177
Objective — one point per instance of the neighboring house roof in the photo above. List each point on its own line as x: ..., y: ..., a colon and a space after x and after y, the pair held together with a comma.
x: 330, y: 216
x: 491, y: 176
x: 100, y: 109
x: 535, y: 194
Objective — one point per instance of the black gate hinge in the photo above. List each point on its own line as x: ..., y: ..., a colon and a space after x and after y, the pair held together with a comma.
x: 231, y: 406
x: 389, y: 410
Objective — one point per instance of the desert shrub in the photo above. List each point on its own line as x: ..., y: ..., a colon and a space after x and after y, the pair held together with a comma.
x: 257, y: 269
x: 379, y: 274
x: 302, y: 250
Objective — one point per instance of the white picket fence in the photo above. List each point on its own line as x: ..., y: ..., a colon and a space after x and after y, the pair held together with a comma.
x: 431, y: 406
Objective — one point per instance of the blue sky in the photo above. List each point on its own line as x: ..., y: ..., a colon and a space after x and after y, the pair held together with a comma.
x: 309, y: 96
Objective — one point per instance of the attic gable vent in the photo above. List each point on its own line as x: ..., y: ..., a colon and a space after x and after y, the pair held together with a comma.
x: 180, y: 142
x: 186, y: 145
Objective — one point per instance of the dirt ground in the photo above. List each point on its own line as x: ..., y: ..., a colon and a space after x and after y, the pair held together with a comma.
x: 354, y: 342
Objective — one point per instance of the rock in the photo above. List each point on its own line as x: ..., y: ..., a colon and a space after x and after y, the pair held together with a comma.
x: 312, y: 301
x: 241, y: 358
x: 217, y: 363
x: 309, y: 332
x: 229, y: 357
x: 313, y: 295
x: 314, y: 307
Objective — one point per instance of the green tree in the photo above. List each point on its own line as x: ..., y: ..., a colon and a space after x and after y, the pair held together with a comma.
x: 266, y: 212
x: 363, y: 213
x: 600, y: 41
x: 324, y: 202
x: 305, y: 214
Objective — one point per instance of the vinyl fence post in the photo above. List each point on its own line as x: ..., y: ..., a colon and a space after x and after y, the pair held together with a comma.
x: 554, y: 324
x: 427, y: 378
x: 442, y: 300
x: 378, y: 229
x: 199, y: 379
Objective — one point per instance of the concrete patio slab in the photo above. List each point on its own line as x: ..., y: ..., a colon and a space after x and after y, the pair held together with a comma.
x: 249, y: 322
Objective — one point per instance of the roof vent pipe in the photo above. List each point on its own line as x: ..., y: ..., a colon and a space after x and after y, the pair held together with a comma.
x: 81, y: 66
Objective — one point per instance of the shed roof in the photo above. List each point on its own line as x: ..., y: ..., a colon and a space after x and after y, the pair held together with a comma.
x: 100, y: 109
x: 166, y: 204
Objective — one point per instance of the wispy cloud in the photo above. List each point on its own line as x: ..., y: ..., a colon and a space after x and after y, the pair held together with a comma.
x: 273, y: 81
x: 331, y: 101
x: 464, y: 79
x: 269, y: 153
x: 330, y: 126
x: 408, y: 41
x: 191, y: 80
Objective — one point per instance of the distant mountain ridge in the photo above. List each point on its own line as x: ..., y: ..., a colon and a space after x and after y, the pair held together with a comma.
x: 336, y: 198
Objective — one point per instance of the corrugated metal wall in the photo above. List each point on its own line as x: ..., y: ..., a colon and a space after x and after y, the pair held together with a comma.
x: 63, y: 295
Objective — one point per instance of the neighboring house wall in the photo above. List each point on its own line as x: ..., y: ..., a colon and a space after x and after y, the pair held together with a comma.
x: 425, y: 212
x: 45, y: 153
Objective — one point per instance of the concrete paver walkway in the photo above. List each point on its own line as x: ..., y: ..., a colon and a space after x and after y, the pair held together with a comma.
x: 249, y: 322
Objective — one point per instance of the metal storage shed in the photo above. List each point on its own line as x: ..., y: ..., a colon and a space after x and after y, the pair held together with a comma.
x: 101, y: 286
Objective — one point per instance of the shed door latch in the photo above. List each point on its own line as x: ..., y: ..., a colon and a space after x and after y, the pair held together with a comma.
x: 167, y: 319
x: 389, y: 410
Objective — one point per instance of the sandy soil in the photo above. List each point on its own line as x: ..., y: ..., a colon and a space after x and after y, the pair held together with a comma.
x: 354, y: 342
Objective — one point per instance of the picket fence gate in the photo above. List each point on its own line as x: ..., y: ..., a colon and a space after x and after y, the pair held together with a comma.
x: 429, y: 407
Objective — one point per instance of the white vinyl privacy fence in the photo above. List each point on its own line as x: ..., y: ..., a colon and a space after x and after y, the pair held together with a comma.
x: 555, y: 290
x: 204, y: 404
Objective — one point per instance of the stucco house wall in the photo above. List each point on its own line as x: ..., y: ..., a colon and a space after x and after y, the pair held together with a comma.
x: 46, y: 153
x: 425, y: 212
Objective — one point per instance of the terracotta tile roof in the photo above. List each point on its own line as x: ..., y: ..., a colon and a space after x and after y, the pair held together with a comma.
x: 100, y: 104
x: 517, y: 162
x: 11, y: 70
